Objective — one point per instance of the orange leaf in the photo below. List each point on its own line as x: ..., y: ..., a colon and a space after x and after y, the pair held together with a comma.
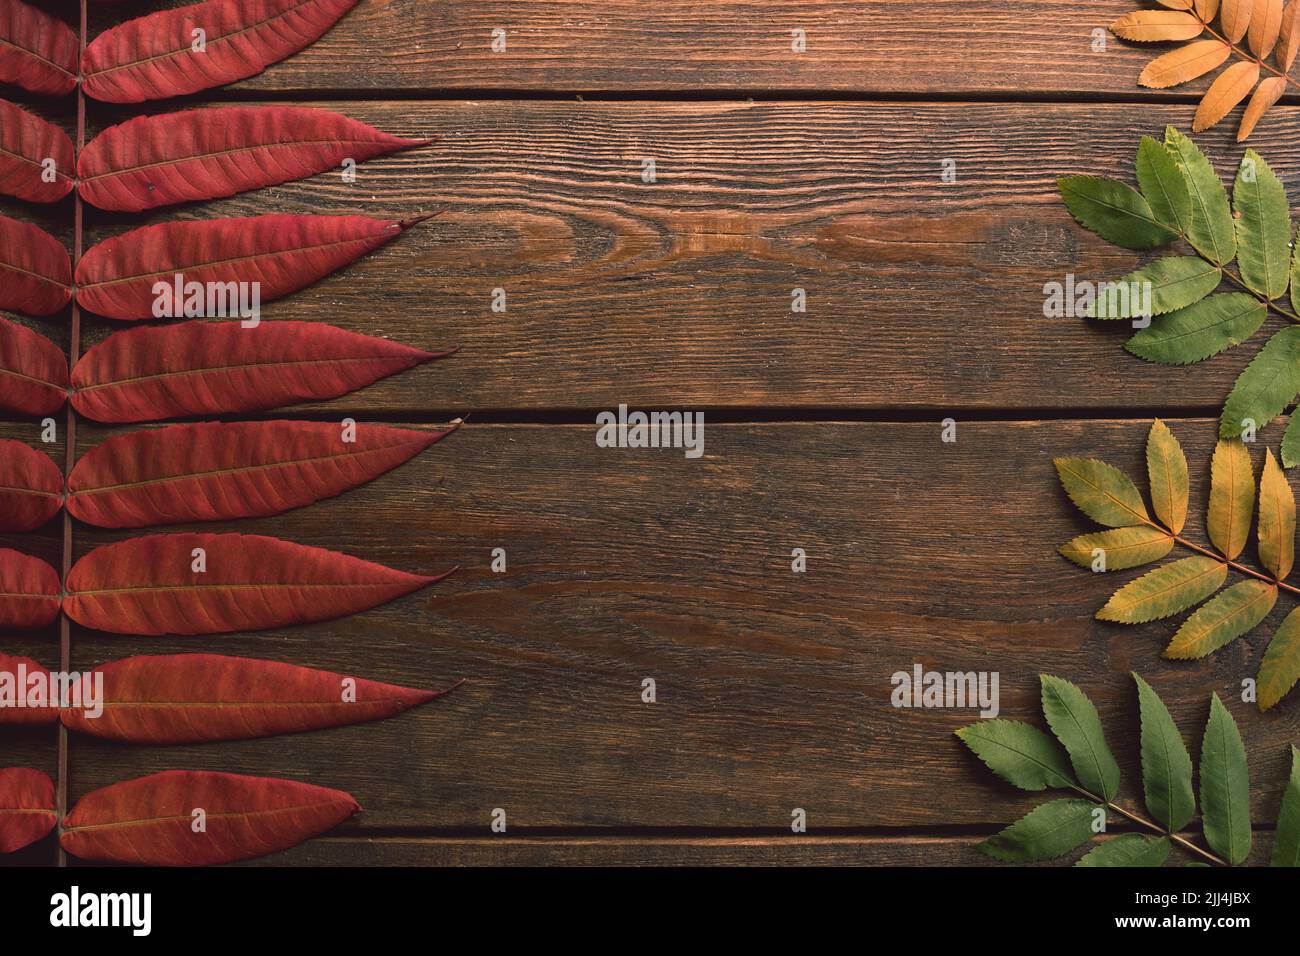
x: 1176, y: 4
x: 1289, y: 40
x: 1185, y: 63
x: 1266, y: 95
x: 1235, y: 17
x: 1154, y: 26
x: 1229, y: 89
x: 1206, y: 9
x: 1265, y: 22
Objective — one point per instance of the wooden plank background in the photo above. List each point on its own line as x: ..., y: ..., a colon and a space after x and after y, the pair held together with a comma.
x: 775, y: 171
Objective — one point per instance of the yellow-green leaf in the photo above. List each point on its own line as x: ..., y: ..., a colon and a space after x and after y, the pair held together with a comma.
x: 1102, y: 492
x: 1276, y: 519
x: 1200, y: 330
x: 1167, y: 590
x: 1119, y: 548
x: 1174, y: 282
x: 1163, y: 184
x: 1232, y: 497
x: 1280, y: 668
x: 1222, y: 620
x: 1167, y: 472
x: 1212, y: 232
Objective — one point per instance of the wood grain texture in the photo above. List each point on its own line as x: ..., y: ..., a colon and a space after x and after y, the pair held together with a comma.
x: 773, y: 687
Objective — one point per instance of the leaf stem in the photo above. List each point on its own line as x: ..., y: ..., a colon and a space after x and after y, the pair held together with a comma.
x: 1244, y: 54
x: 1182, y: 841
x: 1270, y: 303
x: 1239, y: 568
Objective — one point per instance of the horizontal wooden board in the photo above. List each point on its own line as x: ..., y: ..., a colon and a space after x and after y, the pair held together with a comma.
x: 921, y: 294
x: 773, y: 688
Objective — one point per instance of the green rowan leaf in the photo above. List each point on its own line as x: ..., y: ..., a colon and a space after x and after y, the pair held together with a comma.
x: 1167, y: 474
x: 1163, y: 184
x: 1074, y: 721
x: 1225, y: 786
x: 1291, y: 442
x: 1019, y: 753
x: 1129, y: 849
x: 1113, y: 210
x: 1263, y: 227
x: 1166, y: 764
x: 1280, y: 668
x: 1232, y: 497
x: 1286, y: 844
x: 1175, y: 282
x: 1267, y: 386
x: 1200, y: 330
x: 1212, y: 232
x: 1102, y: 492
x: 1119, y: 548
x: 1045, y: 833
x: 1222, y: 620
x: 1167, y: 590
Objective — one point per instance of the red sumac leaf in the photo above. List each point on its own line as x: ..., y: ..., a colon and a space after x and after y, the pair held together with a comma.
x: 153, y: 161
x: 27, y: 144
x: 14, y: 674
x: 196, y: 369
x: 31, y: 487
x: 194, y: 698
x: 29, y: 591
x: 33, y: 372
x: 282, y: 254
x: 213, y: 471
x: 148, y: 585
x: 156, y: 55
x: 26, y: 807
x: 37, y: 51
x: 150, y: 819
x: 35, y: 269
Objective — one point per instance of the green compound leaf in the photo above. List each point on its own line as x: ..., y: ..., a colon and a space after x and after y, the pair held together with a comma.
x: 1074, y: 721
x: 1263, y: 227
x: 1291, y: 442
x: 1167, y: 590
x: 1019, y: 753
x: 1286, y: 845
x: 1119, y: 548
x: 1212, y: 232
x: 1102, y: 492
x: 1232, y: 497
x: 1223, y: 620
x: 1175, y: 282
x: 1130, y: 849
x: 1167, y: 474
x: 1113, y: 210
x: 1267, y: 386
x: 1225, y: 786
x: 1163, y: 185
x: 1295, y: 274
x: 1280, y: 668
x: 1201, y: 330
x: 1166, y: 764
x: 1045, y: 833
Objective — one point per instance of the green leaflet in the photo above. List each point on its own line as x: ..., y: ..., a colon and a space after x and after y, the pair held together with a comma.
x: 1113, y: 210
x: 1276, y: 530
x: 1074, y: 720
x: 1223, y: 620
x: 1163, y: 185
x: 1225, y: 786
x: 1020, y: 754
x: 1232, y: 497
x: 1291, y: 442
x: 1202, y: 329
x: 1263, y: 227
x: 1044, y: 833
x: 1175, y: 281
x: 1267, y: 386
x: 1286, y: 845
x: 1130, y: 849
x: 1167, y: 474
x: 1295, y: 275
x: 1166, y: 765
x: 1211, y: 232
x: 1102, y: 492
x: 1167, y: 590
x: 1119, y: 548
x: 1280, y: 668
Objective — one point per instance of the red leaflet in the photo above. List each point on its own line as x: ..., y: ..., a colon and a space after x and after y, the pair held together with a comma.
x: 281, y: 253
x: 37, y: 51
x: 26, y: 807
x: 33, y: 372
x: 219, y: 368
x: 27, y: 144
x: 31, y: 487
x: 157, y: 55
x: 150, y: 586
x: 193, y: 698
x: 29, y: 591
x: 215, y: 471
x: 35, y: 269
x: 154, y: 161
x: 153, y: 819
x: 15, y: 673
